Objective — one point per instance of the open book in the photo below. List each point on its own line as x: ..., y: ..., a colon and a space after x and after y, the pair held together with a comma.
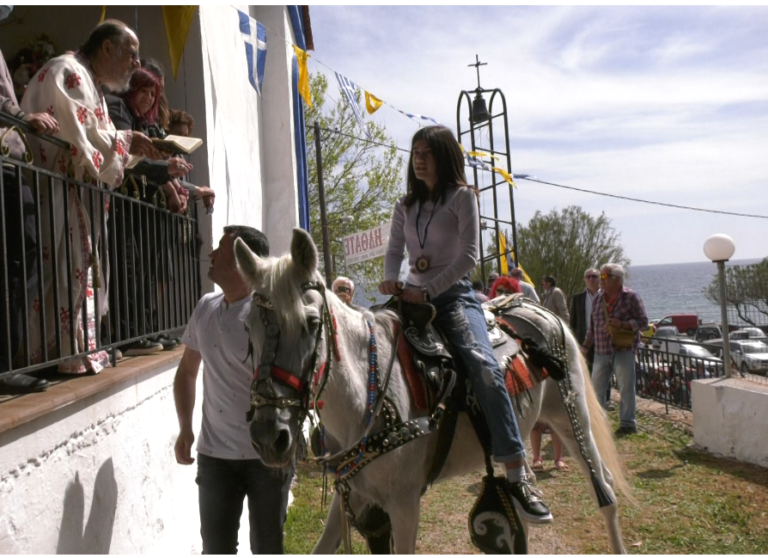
x: 177, y: 144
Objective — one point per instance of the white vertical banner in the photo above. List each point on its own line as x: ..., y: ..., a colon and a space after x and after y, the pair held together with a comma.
x: 366, y: 245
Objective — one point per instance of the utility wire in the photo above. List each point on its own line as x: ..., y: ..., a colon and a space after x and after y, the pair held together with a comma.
x: 616, y: 196
x: 703, y: 210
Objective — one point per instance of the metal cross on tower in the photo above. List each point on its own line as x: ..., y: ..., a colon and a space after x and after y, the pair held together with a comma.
x: 488, y: 133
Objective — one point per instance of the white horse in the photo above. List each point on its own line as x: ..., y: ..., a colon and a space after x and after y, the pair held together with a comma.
x: 395, y: 481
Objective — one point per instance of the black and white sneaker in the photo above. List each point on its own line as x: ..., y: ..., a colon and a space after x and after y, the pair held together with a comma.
x: 529, y: 506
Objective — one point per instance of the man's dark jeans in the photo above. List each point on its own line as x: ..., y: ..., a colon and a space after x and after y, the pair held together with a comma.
x: 223, y: 484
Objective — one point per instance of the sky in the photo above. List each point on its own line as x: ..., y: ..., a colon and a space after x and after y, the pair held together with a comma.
x: 665, y: 104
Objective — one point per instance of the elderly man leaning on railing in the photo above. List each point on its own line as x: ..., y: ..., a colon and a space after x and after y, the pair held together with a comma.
x: 69, y: 88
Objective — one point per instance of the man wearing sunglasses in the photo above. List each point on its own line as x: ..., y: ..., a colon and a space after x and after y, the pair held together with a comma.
x: 344, y: 289
x: 620, y: 308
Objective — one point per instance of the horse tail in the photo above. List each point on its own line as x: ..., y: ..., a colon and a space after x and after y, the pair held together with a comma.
x: 601, y: 431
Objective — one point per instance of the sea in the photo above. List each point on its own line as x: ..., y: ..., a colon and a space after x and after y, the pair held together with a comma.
x: 677, y: 288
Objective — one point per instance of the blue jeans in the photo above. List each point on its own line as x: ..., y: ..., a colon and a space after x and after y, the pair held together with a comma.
x: 621, y: 363
x: 460, y: 318
x: 222, y: 485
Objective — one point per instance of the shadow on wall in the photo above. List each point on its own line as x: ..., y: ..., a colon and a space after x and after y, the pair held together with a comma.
x: 96, y: 538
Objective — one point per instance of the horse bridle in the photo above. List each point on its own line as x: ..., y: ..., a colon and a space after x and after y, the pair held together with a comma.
x: 268, y: 371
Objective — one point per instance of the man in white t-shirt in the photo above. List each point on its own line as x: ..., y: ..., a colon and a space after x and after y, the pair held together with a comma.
x: 228, y: 467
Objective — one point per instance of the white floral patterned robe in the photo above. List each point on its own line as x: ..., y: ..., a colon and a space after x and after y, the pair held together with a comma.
x: 66, y: 88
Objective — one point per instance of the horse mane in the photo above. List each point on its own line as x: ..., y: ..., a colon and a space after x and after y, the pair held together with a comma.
x: 284, y: 281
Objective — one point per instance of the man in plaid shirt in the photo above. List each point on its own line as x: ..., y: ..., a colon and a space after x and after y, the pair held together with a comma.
x: 619, y: 307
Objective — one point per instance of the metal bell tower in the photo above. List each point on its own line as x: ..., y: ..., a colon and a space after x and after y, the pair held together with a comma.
x: 480, y: 129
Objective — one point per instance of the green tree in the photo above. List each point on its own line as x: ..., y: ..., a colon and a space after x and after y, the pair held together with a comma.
x: 566, y: 244
x: 362, y: 180
x: 746, y: 292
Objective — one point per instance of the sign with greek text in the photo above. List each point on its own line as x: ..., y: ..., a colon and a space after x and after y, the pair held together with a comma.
x: 366, y: 245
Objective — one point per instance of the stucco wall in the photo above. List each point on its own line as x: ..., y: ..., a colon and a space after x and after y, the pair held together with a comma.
x: 730, y: 417
x: 99, y: 476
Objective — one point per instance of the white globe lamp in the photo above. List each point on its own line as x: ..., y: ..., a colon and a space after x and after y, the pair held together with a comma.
x: 720, y: 248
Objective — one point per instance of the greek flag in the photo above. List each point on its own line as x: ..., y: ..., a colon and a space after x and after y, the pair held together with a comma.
x: 348, y: 88
x: 255, y: 36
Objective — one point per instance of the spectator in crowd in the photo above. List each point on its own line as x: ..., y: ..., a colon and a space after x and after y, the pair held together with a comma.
x: 344, y: 288
x: 68, y: 88
x: 479, y: 289
x: 181, y: 123
x: 137, y: 109
x: 553, y: 298
x: 581, y: 310
x: 505, y: 286
x: 492, y: 276
x: 228, y: 467
x: 163, y: 112
x: 525, y: 287
x: 615, y: 308
x: 17, y: 226
x: 557, y: 447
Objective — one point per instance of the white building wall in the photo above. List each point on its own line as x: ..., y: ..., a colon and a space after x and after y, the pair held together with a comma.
x: 100, y: 476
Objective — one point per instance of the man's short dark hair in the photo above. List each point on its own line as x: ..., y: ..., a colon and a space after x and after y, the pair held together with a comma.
x: 110, y: 29
x: 551, y: 280
x: 478, y: 285
x: 253, y: 238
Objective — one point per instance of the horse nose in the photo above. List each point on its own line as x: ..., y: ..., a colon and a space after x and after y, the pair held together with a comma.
x: 282, y: 441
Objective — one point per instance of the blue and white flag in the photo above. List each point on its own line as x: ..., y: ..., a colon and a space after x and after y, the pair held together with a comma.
x: 255, y: 36
x: 348, y: 88
x: 418, y: 118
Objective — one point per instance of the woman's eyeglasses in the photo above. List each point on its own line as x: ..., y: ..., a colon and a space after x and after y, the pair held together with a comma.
x: 504, y: 292
x: 592, y: 276
x: 340, y: 290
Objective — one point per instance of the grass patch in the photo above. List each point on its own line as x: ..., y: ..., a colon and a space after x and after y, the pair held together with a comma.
x: 689, y: 503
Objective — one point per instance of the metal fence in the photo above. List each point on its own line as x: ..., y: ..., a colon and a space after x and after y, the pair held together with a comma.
x: 665, y: 368
x: 142, y: 266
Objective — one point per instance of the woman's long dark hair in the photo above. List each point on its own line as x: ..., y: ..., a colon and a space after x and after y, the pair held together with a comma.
x: 140, y: 79
x: 448, y: 160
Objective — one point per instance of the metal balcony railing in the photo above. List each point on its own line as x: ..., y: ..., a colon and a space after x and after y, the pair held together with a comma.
x: 147, y: 262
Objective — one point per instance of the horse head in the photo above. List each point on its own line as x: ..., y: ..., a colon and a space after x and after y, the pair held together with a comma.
x: 285, y: 332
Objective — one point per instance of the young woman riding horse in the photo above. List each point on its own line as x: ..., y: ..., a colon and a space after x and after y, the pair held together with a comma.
x: 437, y: 220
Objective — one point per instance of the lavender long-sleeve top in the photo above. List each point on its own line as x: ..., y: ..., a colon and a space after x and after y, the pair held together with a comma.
x: 450, y: 245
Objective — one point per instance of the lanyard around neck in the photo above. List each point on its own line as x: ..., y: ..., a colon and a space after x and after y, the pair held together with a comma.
x: 426, y: 228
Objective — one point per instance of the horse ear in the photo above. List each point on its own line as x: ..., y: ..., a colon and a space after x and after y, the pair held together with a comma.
x: 248, y: 263
x: 303, y: 251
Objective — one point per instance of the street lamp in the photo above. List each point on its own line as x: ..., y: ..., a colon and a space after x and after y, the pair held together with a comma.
x: 720, y: 248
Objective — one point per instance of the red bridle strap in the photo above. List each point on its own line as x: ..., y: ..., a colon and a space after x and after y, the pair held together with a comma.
x: 283, y: 376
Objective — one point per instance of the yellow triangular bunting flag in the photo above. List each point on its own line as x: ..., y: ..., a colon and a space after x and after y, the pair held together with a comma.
x: 372, y: 103
x: 304, y: 90
x: 178, y: 20
x: 506, y: 176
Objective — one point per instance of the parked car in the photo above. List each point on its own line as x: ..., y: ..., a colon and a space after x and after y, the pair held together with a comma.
x: 663, y: 333
x: 698, y: 360
x: 683, y: 322
x: 705, y: 332
x: 747, y: 333
x: 750, y: 356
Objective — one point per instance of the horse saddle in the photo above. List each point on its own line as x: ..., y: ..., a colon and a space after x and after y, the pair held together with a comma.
x: 426, y: 355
